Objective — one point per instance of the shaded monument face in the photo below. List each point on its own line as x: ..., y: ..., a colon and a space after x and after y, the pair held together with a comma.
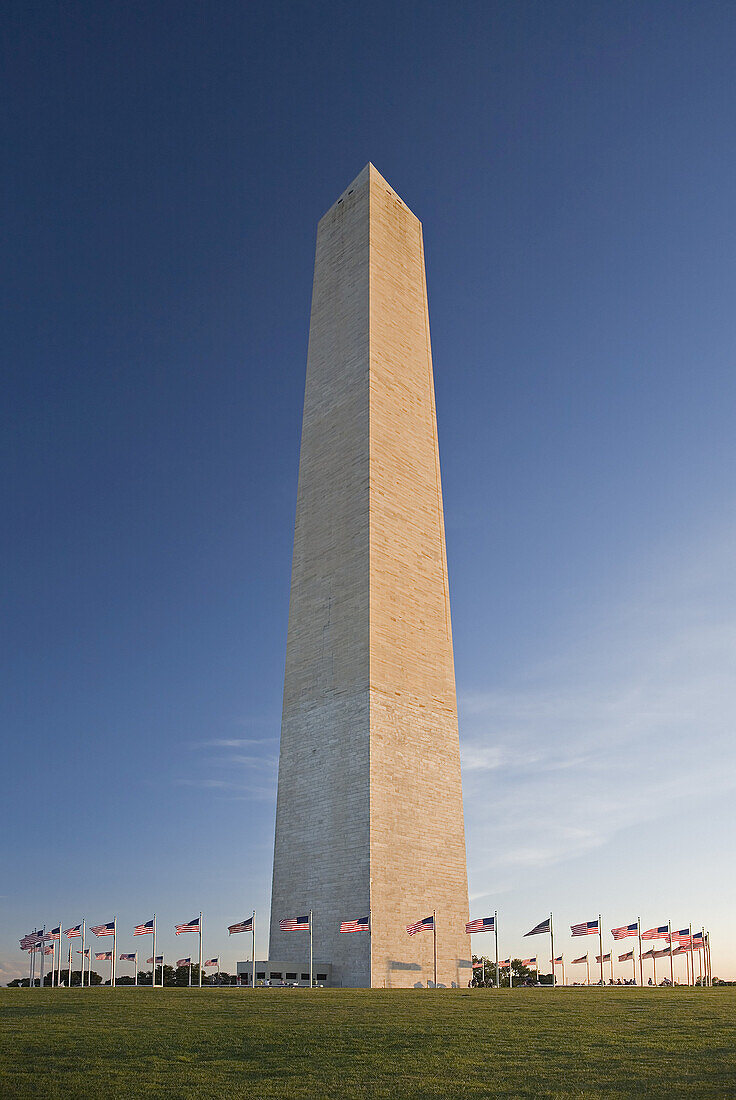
x: 369, y: 814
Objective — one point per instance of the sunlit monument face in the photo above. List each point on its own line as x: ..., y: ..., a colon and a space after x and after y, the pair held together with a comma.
x: 369, y: 815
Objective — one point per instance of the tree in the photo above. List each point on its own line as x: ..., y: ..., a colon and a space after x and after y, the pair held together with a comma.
x: 522, y: 975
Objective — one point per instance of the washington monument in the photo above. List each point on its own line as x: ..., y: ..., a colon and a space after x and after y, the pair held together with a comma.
x: 369, y: 817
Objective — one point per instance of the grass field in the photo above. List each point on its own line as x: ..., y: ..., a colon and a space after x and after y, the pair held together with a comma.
x: 356, y: 1043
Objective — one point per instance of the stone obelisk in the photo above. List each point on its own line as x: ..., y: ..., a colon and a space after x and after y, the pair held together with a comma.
x: 369, y: 815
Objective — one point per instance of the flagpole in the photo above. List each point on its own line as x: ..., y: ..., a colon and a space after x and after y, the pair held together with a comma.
x: 136, y: 968
x: 70, y: 963
x: 153, y: 971
x: 587, y: 969
x: 641, y: 961
x: 600, y: 940
x: 672, y: 960
x: 114, y: 949
x: 705, y: 961
x: 434, y: 932
x: 552, y: 943
x: 58, y: 977
x: 84, y: 931
x: 495, y: 929
x: 311, y: 953
x: 43, y: 956
x: 611, y: 955
x: 200, y: 950
x: 253, y: 972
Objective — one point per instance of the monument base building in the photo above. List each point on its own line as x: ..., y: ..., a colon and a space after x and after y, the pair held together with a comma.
x: 280, y: 972
x: 369, y: 816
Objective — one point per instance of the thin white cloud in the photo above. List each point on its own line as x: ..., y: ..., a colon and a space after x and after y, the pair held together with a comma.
x: 634, y: 724
x: 259, y: 792
x: 234, y: 742
x: 251, y: 761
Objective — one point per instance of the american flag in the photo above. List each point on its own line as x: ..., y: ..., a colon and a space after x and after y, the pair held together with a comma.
x: 362, y: 924
x: 213, y: 962
x: 603, y: 958
x: 33, y: 939
x: 55, y: 933
x: 242, y: 926
x: 556, y: 961
x: 663, y: 952
x: 420, y: 926
x: 626, y: 957
x: 183, y: 962
x: 70, y: 933
x: 587, y: 928
x: 529, y: 962
x: 477, y: 965
x: 295, y: 924
x: 104, y: 929
x: 582, y: 959
x: 159, y: 959
x: 505, y: 964
x: 49, y: 950
x: 683, y: 934
x: 649, y: 954
x: 190, y: 926
x: 144, y: 929
x: 85, y: 952
x: 482, y: 924
x: 103, y: 956
x: 538, y: 929
x: 128, y: 958
x: 683, y: 949
x: 625, y: 930
x: 660, y: 933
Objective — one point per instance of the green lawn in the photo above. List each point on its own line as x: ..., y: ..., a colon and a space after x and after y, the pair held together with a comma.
x: 357, y: 1043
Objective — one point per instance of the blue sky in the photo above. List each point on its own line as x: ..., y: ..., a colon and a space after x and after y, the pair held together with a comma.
x: 574, y: 168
